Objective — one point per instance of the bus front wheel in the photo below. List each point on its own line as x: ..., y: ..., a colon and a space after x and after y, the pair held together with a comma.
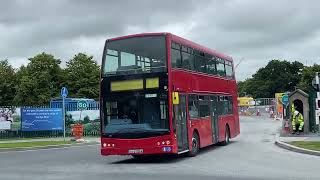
x: 195, y: 145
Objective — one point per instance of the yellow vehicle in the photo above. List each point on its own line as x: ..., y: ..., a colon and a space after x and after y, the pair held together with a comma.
x: 245, y: 101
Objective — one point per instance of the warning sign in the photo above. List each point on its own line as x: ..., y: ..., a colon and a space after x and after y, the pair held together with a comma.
x: 77, y: 131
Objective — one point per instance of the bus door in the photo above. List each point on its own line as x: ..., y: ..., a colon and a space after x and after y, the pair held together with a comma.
x: 180, y: 115
x: 214, y: 117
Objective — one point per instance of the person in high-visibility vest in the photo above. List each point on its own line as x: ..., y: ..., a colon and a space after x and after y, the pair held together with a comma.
x: 297, y: 122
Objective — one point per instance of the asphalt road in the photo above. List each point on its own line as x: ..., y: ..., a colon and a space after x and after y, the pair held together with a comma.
x: 252, y: 155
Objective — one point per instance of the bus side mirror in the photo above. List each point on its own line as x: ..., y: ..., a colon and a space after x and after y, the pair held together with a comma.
x: 175, y: 98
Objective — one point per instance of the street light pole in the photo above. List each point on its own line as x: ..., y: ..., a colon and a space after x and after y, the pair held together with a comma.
x: 64, y: 118
x: 317, y: 84
x: 64, y: 94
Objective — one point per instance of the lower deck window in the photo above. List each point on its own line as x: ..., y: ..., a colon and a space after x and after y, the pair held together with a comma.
x: 193, y: 105
x: 200, y: 106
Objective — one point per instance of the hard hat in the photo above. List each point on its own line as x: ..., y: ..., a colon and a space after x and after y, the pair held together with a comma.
x: 296, y: 113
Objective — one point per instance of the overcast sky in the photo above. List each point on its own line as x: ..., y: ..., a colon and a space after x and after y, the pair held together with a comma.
x: 253, y: 30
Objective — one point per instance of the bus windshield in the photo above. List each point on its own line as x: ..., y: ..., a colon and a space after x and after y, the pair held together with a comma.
x: 136, y: 115
x: 135, y: 56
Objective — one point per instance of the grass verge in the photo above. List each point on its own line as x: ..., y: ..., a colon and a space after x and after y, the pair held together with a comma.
x: 19, y: 145
x: 312, y: 145
x: 21, y: 139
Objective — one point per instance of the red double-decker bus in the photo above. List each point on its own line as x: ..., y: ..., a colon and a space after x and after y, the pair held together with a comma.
x: 162, y: 94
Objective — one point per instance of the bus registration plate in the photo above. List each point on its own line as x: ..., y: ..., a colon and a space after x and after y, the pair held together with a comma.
x: 135, y: 151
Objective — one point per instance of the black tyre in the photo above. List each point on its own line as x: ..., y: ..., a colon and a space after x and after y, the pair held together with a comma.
x: 195, y: 145
x: 227, y: 137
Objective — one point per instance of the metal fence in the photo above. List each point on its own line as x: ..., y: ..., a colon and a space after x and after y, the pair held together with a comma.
x: 265, y: 101
x: 40, y: 134
x: 90, y: 118
x: 259, y: 107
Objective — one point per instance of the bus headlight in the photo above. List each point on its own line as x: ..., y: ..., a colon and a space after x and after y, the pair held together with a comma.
x: 166, y: 142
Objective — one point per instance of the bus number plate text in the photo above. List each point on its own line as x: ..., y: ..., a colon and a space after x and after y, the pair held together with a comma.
x: 135, y: 151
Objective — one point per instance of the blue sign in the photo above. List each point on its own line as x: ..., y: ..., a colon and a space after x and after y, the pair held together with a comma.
x: 166, y: 149
x: 285, y: 100
x: 41, y: 119
x: 64, y: 92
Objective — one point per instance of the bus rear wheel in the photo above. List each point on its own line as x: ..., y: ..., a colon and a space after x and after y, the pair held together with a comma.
x: 227, y: 137
x: 195, y: 145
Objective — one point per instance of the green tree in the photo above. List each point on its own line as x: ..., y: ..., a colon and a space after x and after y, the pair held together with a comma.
x: 39, y: 81
x: 92, y: 127
x: 7, y: 83
x: 86, y: 119
x: 69, y: 120
x: 307, y: 76
x: 277, y: 76
x: 82, y: 77
x: 242, y: 88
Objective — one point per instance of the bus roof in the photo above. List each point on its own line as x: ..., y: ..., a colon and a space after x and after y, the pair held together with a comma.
x: 178, y: 40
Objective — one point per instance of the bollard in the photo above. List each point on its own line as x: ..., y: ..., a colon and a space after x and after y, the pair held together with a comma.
x: 286, y: 126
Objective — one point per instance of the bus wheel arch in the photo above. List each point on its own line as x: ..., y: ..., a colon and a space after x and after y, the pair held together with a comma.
x: 195, y: 144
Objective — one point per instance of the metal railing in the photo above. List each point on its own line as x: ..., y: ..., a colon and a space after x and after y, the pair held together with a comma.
x: 259, y: 107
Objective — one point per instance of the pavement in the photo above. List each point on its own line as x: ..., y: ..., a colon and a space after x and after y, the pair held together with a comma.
x: 283, y: 142
x: 299, y: 138
x: 250, y: 156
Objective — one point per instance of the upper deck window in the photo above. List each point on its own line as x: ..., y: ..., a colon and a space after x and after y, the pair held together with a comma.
x: 220, y: 67
x: 200, y: 62
x: 135, y: 55
x: 192, y: 59
x: 229, y: 69
x: 211, y: 66
x: 187, y: 61
x: 176, y: 58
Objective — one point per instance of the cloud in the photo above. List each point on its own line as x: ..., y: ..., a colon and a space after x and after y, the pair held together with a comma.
x: 257, y: 31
